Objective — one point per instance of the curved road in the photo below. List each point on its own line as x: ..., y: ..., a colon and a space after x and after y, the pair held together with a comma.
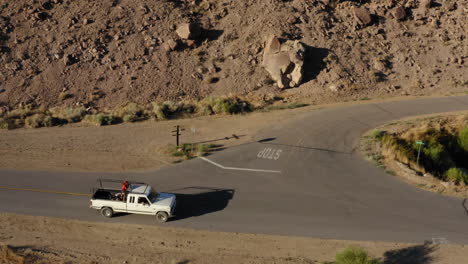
x: 308, y: 181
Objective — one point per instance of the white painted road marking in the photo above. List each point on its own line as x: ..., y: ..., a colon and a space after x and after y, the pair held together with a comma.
x: 269, y: 153
x: 240, y: 169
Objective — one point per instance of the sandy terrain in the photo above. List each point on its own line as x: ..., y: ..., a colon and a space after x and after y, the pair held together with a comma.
x: 50, y: 240
x: 108, y: 53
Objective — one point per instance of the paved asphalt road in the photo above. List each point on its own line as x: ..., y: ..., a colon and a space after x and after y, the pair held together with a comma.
x: 315, y: 184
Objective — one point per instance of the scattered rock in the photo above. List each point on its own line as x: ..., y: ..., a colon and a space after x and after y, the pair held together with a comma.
x: 170, y: 45
x: 399, y: 13
x: 362, y: 15
x: 380, y: 65
x: 87, y: 21
x: 426, y: 3
x: 189, y: 31
x: 284, y: 61
x: 190, y: 43
x: 335, y: 87
x: 13, y: 66
x: 2, y: 90
x: 449, y: 5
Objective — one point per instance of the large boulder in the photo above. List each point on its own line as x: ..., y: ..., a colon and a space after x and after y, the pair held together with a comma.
x: 189, y: 31
x: 399, y: 13
x: 362, y: 15
x: 284, y: 61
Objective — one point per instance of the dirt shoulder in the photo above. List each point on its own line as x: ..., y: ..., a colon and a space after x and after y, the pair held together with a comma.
x: 129, y: 146
x: 50, y: 240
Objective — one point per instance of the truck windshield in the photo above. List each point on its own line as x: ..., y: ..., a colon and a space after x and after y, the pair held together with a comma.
x: 153, y: 196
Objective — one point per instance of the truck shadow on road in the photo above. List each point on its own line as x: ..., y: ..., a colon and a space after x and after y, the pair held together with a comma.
x: 197, y: 201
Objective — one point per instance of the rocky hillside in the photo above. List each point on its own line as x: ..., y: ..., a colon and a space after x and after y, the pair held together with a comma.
x: 111, y: 52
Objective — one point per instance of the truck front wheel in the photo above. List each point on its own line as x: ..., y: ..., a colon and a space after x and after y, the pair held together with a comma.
x: 107, y: 212
x: 162, y: 216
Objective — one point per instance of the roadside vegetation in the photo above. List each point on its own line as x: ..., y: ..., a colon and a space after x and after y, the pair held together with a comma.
x: 188, y: 151
x: 443, y: 154
x: 354, y: 255
x: 11, y: 255
x: 440, y: 143
x: 30, y: 116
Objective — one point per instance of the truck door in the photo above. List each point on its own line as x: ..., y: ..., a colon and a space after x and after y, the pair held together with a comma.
x: 132, y: 204
x: 138, y: 205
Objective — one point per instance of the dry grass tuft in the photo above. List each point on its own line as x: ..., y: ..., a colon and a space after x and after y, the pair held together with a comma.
x: 9, y: 255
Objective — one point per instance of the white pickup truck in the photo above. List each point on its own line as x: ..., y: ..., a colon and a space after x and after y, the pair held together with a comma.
x: 139, y: 198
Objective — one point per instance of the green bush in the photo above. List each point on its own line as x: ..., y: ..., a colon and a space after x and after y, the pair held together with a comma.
x: 457, y: 175
x: 38, y: 120
x: 353, y: 255
x: 6, y: 123
x: 189, y: 150
x: 21, y: 113
x: 129, y: 113
x: 169, y: 109
x: 436, y: 154
x: 377, y: 134
x: 101, y: 119
x: 224, y: 105
x: 69, y: 114
x: 463, y: 139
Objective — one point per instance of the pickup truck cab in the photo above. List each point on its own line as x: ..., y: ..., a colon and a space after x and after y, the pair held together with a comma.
x: 139, y: 198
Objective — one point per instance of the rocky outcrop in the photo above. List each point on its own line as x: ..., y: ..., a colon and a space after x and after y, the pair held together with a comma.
x: 284, y: 61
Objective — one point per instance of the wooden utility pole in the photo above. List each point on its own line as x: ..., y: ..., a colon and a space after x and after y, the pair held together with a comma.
x: 177, y: 134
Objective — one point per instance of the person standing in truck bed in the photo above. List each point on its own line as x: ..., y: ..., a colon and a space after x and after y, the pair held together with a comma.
x: 124, y: 189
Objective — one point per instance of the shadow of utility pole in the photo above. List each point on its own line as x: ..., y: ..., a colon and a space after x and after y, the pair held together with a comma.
x: 234, y: 136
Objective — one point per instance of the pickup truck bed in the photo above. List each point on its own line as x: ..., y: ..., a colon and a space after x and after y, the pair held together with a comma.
x: 106, y: 194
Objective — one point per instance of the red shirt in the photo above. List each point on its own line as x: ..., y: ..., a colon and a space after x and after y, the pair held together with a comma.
x: 124, y: 187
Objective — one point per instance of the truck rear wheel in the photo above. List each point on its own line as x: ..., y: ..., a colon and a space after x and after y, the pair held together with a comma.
x: 107, y: 212
x: 162, y: 216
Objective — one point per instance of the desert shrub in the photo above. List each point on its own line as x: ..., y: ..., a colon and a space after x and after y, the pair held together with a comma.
x: 101, y: 119
x: 377, y: 134
x: 163, y: 110
x: 353, y: 255
x: 8, y: 254
x: 129, y: 113
x: 7, y: 123
x: 21, y: 113
x: 38, y: 120
x: 168, y: 109
x: 457, y: 175
x: 189, y: 150
x: 463, y: 139
x: 224, y: 105
x: 436, y: 153
x: 68, y: 114
x: 398, y: 149
x: 64, y: 96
